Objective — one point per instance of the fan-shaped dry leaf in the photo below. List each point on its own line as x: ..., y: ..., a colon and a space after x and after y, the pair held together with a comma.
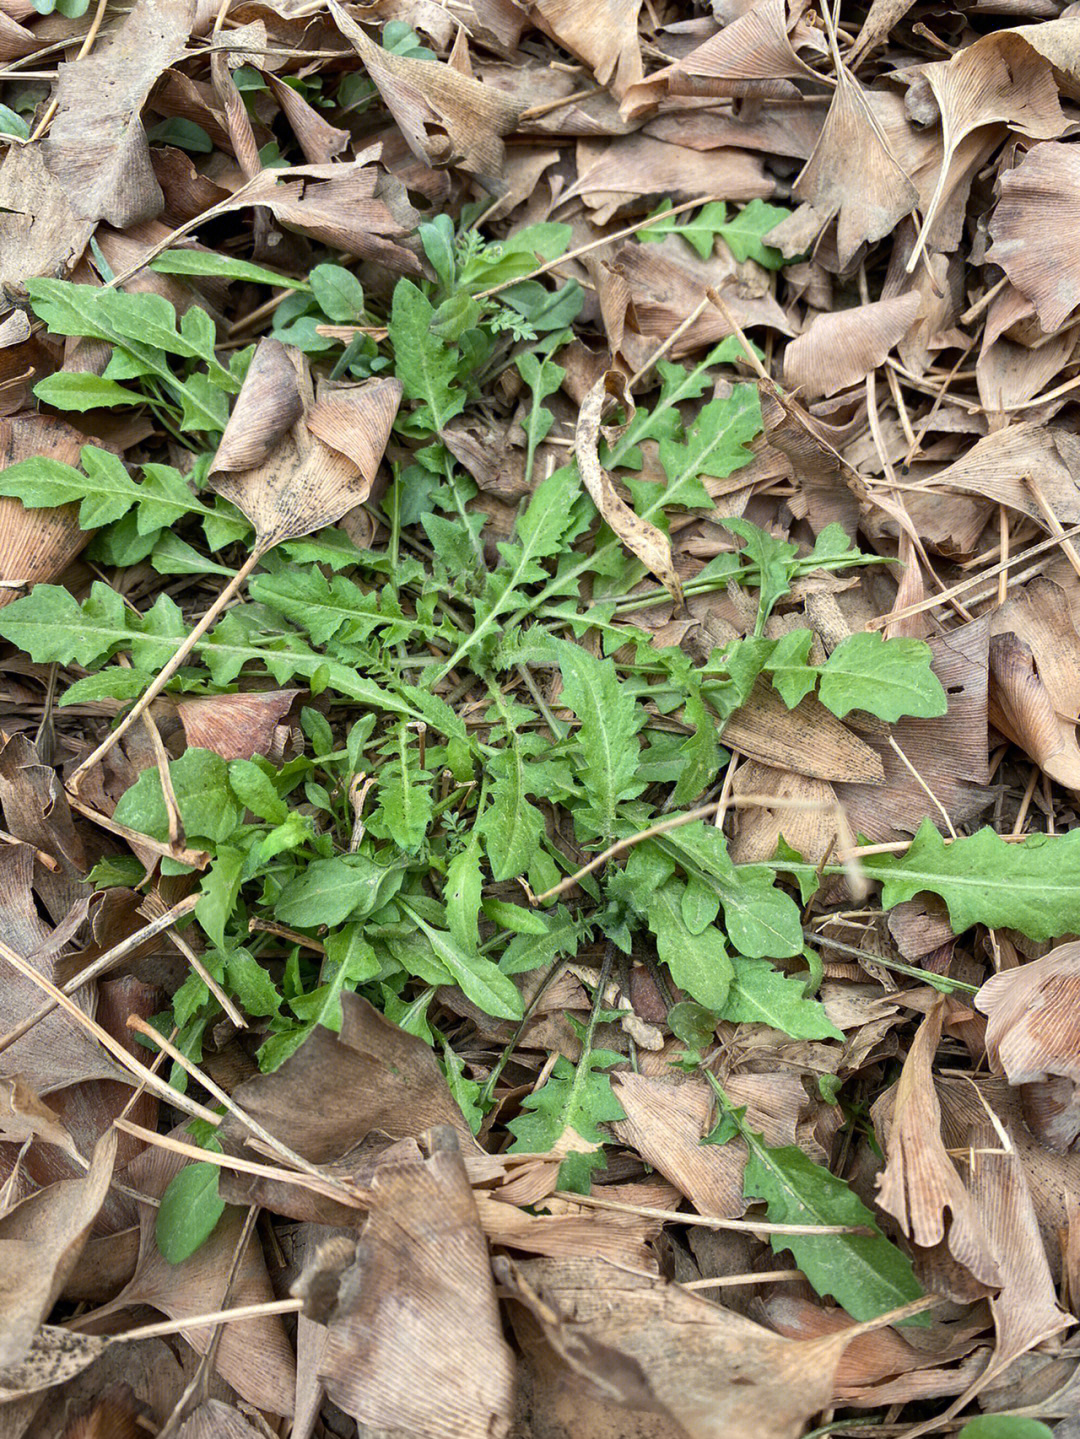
x: 919, y: 1185
x: 235, y: 726
x: 446, y: 117
x: 104, y: 167
x: 1038, y: 210
x: 998, y: 79
x: 829, y: 488
x: 37, y: 545
x: 1032, y: 1036
x: 996, y: 465
x: 808, y: 739
x: 40, y: 1243
x: 24, y: 1115
x: 853, y: 174
x: 882, y: 16
x: 414, y: 1338
x: 613, y: 171
x: 841, y: 349
x: 652, y: 546
x: 748, y: 56
x: 40, y: 233
x: 54, y: 1356
x: 604, y: 34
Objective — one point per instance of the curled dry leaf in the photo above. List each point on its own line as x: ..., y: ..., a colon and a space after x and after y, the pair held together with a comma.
x: 446, y: 117
x: 24, y: 1115
x: 995, y: 468
x: 335, y: 1090
x: 1038, y: 210
x: 37, y: 545
x: 40, y: 1243
x: 414, y: 1338
x: 840, y: 349
x: 919, y: 1185
x: 604, y: 34
x: 54, y: 1356
x: 1032, y: 1036
x: 215, y: 1420
x: 998, y: 79
x: 105, y: 167
x: 853, y: 174
x: 652, y: 546
x: 829, y: 488
x: 1034, y: 658
x: 294, y: 462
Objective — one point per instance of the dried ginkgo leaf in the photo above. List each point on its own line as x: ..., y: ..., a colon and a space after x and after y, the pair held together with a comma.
x: 24, y: 1115
x: 37, y: 545
x: 603, y: 33
x: 853, y: 174
x: 998, y: 79
x: 841, y: 348
x: 1033, y: 1036
x: 652, y: 546
x: 292, y: 462
x: 235, y: 726
x: 104, y: 167
x: 414, y: 1339
x: 445, y: 117
x: 919, y: 1185
x: 1031, y: 226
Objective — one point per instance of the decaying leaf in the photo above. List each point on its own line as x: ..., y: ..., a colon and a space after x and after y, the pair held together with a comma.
x: 604, y: 35
x: 920, y: 1185
x: 445, y: 116
x: 840, y: 349
x: 24, y: 1115
x: 36, y: 544
x: 1031, y: 1036
x: 105, y: 167
x: 40, y: 1243
x: 413, y: 1333
x: 1036, y: 211
x: 652, y: 546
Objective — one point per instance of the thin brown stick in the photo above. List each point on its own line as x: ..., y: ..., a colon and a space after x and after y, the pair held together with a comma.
x: 596, y: 244
x: 969, y: 584
x: 537, y: 112
x: 1054, y: 524
x: 114, y: 1047
x: 731, y: 1281
x: 101, y: 964
x: 739, y: 801
x: 165, y: 674
x: 1003, y: 534
x: 707, y: 1221
x: 196, y: 858
x: 200, y: 1321
x: 241, y: 1166
x: 665, y: 345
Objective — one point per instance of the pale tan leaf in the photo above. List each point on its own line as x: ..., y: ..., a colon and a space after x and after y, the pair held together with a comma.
x: 998, y: 79
x: 37, y: 545
x: 604, y: 34
x: 1032, y: 1036
x: 54, y: 1356
x: 652, y: 546
x: 808, y: 739
x: 24, y: 1115
x: 613, y: 171
x: 919, y: 1185
x: 853, y: 174
x: 235, y: 726
x: 1038, y: 210
x: 40, y: 232
x: 996, y: 465
x: 446, y: 117
x: 105, y: 167
x: 414, y: 1337
x: 840, y: 349
x: 319, y: 140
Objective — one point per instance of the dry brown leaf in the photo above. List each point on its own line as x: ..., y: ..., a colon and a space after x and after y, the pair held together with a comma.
x: 1036, y: 694
x: 215, y: 1420
x: 1030, y: 225
x: 40, y: 1243
x: 995, y: 467
x: 881, y: 18
x: 652, y: 546
x: 603, y: 34
x: 1031, y: 1036
x: 37, y: 545
x: 854, y: 175
x: 236, y: 726
x: 748, y: 56
x: 614, y: 1354
x: 414, y: 1339
x: 24, y: 1115
x: 808, y: 739
x: 614, y: 172
x: 446, y: 117
x: 775, y: 127
x: 829, y: 488
x: 40, y: 233
x: 333, y: 1092
x: 105, y: 167
x: 54, y: 1355
x: 347, y: 206
x: 812, y: 831
x: 919, y: 1185
x: 999, y: 79
x: 319, y: 140
x: 840, y: 349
